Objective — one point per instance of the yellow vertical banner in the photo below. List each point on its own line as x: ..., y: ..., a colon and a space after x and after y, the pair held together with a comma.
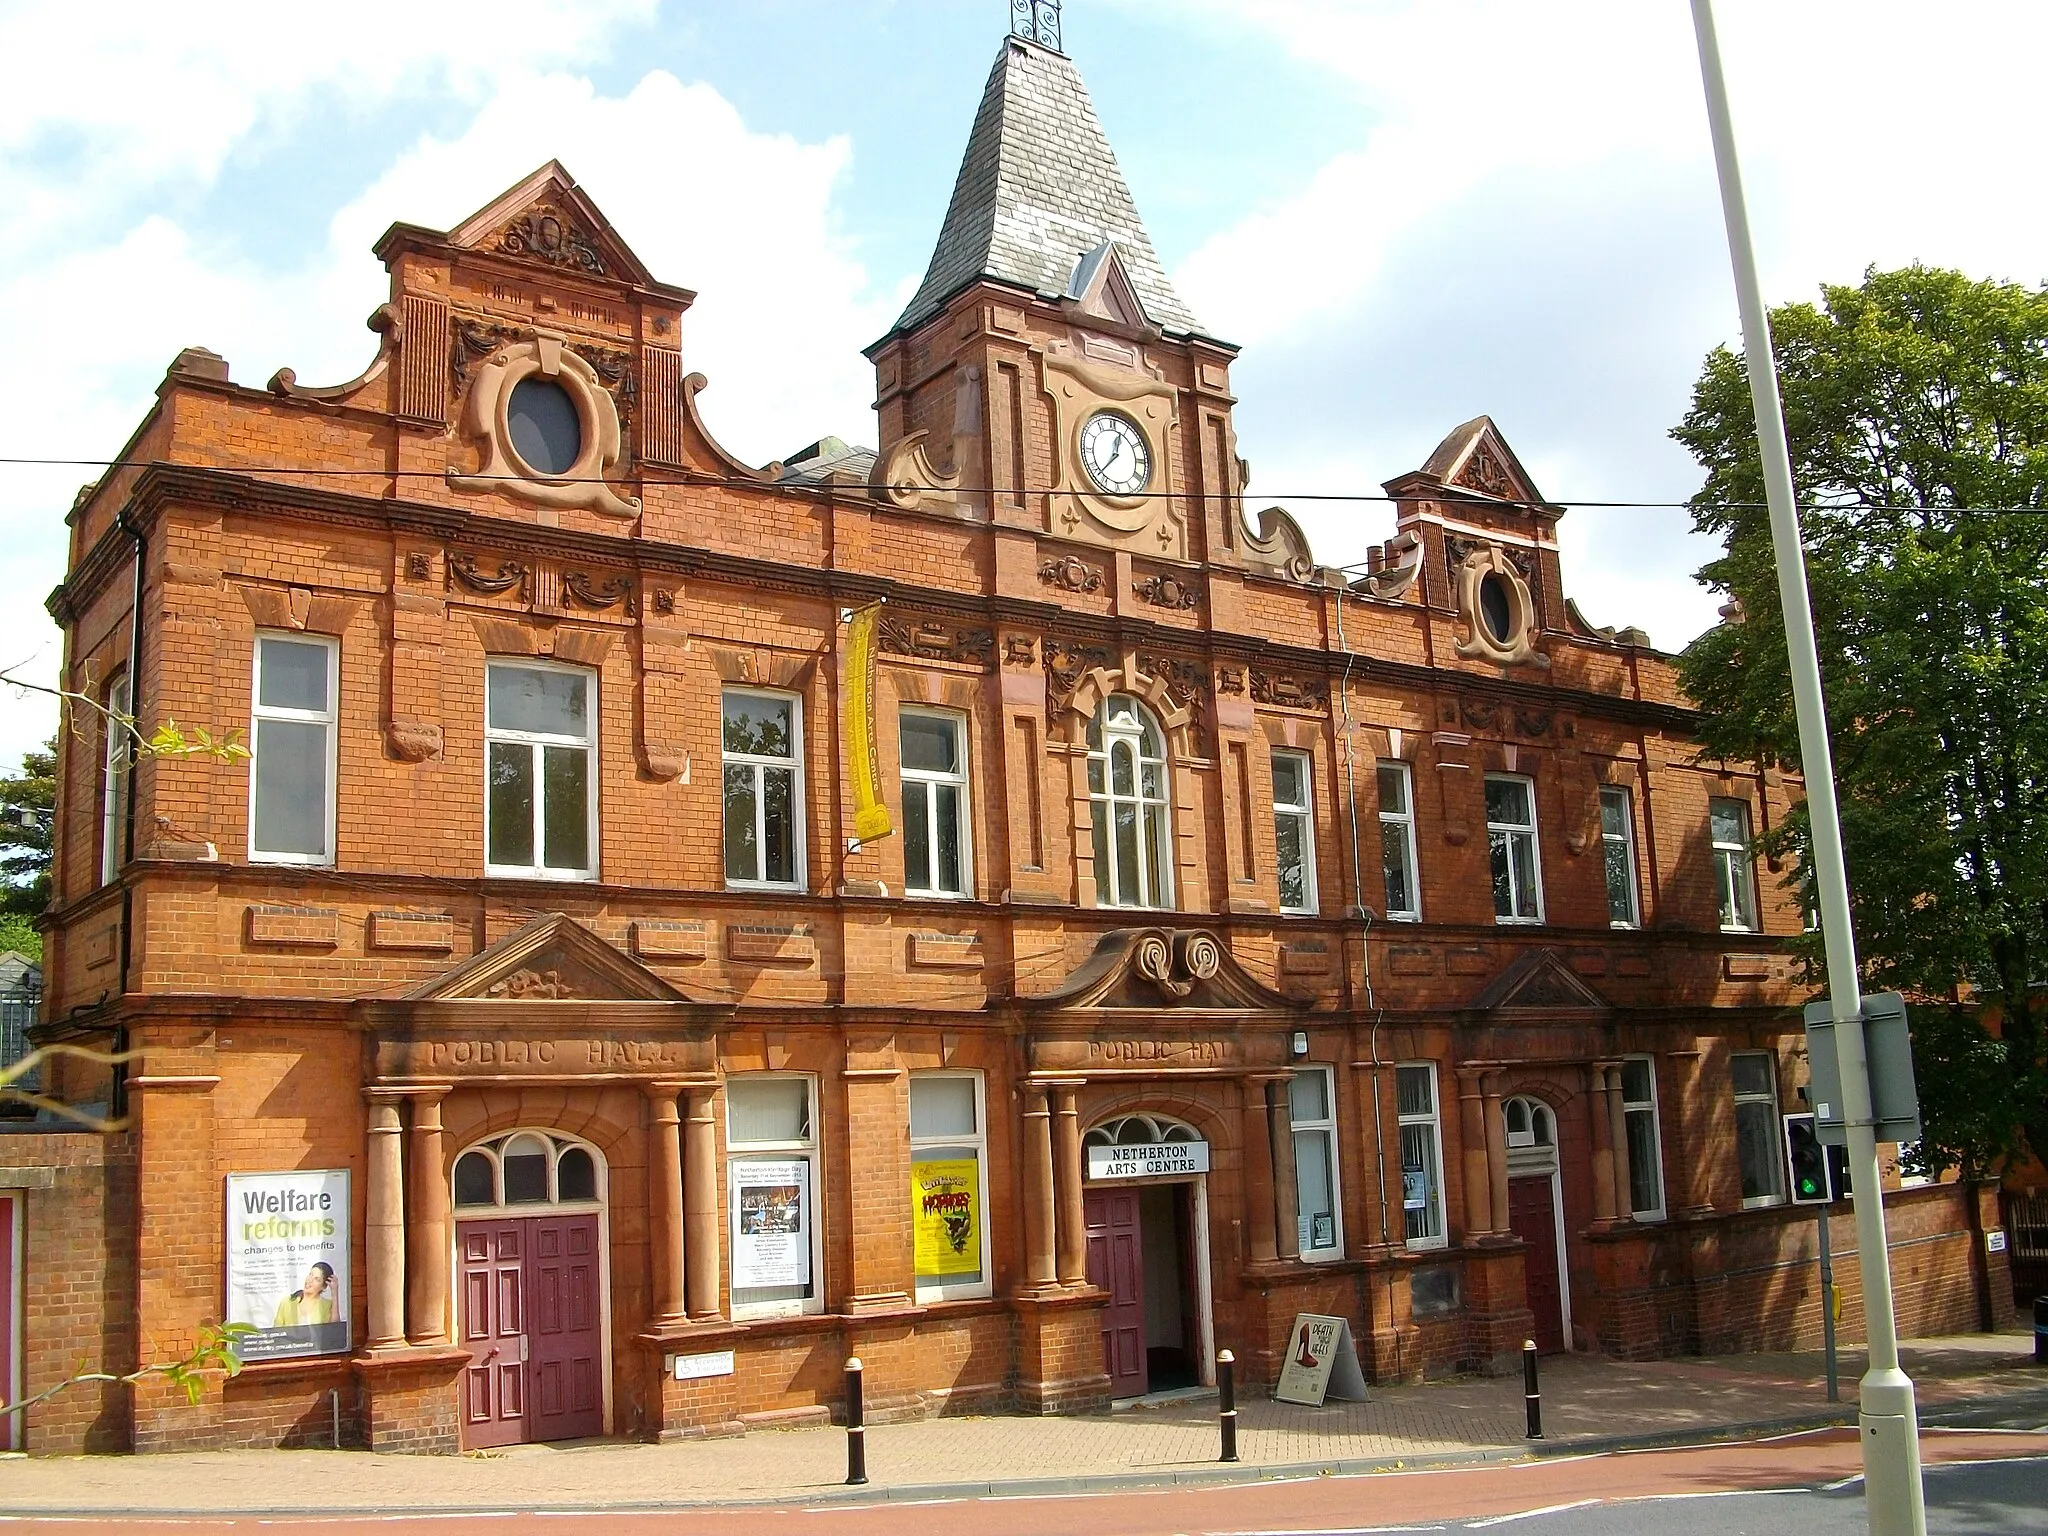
x: 870, y: 815
x: 945, y: 1195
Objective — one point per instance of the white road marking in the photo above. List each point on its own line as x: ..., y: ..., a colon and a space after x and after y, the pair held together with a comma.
x: 1529, y: 1514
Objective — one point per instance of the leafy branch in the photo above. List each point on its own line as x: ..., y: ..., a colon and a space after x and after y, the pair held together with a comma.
x: 214, y: 1353
x: 15, y: 1071
x: 165, y: 739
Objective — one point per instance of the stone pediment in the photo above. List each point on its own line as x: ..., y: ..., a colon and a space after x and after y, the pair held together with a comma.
x: 1154, y: 968
x: 1538, y: 980
x: 551, y: 959
x: 548, y: 220
x: 1475, y: 457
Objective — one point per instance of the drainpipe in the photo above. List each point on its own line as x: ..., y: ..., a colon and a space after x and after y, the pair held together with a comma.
x: 117, y: 1097
x: 1379, y: 1137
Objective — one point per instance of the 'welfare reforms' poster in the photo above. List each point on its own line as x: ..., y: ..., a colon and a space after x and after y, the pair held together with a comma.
x: 287, y: 1255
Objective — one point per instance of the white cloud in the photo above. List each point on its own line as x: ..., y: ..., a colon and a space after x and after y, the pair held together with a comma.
x: 1526, y: 222
x: 112, y: 284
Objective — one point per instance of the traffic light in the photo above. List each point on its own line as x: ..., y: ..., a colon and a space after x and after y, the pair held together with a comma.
x: 1808, y: 1159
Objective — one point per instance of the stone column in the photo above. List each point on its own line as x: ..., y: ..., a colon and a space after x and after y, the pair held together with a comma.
x: 1603, y: 1142
x: 1258, y: 1171
x: 701, y: 1247
x: 1497, y: 1153
x: 665, y: 1244
x: 1286, y: 1191
x: 384, y: 1225
x: 1071, y: 1223
x: 1617, y: 1121
x: 428, y: 1234
x: 1472, y: 1150
x: 1693, y: 1123
x: 1039, y: 1271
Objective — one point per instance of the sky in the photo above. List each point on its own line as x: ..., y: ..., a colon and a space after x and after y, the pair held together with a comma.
x: 1406, y: 212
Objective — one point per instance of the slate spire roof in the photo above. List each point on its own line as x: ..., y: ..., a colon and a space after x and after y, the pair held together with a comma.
x: 1039, y: 188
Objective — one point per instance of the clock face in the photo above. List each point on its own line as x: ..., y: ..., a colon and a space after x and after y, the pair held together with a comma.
x: 1114, y: 453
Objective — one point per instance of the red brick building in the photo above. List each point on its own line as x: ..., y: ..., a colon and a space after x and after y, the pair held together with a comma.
x: 1255, y: 938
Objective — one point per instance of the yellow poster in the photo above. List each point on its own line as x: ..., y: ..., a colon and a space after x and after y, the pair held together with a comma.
x: 945, y: 1213
x: 870, y: 815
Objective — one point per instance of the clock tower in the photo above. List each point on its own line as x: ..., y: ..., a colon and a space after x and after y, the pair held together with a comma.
x: 1045, y: 377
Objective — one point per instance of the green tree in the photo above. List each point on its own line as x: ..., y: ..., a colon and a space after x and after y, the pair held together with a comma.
x: 28, y: 801
x: 1917, y: 410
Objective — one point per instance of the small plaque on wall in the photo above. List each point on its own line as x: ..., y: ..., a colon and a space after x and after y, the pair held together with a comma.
x: 700, y: 1367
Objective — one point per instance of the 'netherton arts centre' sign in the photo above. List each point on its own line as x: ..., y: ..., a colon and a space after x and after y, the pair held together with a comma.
x: 1160, y: 1160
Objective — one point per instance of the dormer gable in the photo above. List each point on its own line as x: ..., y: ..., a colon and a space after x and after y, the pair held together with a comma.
x: 545, y: 221
x: 1474, y: 459
x: 1101, y: 291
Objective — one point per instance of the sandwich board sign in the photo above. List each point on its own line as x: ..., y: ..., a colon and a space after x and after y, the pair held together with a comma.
x: 1321, y: 1362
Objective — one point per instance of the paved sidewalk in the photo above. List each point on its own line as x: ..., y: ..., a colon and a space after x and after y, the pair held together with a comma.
x: 1586, y: 1402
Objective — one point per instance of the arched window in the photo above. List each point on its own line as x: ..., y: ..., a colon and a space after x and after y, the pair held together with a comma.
x: 1139, y: 1131
x: 1530, y: 1123
x: 525, y: 1168
x: 1127, y: 788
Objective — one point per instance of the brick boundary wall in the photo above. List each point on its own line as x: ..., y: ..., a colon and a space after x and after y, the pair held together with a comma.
x: 78, y: 1281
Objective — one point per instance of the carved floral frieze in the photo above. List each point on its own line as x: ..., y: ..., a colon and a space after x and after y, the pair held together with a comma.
x: 1070, y: 573
x: 1289, y: 692
x: 928, y: 640
x: 547, y: 234
x: 1167, y: 590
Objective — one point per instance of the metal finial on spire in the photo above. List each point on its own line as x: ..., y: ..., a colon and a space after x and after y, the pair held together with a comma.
x: 1037, y: 20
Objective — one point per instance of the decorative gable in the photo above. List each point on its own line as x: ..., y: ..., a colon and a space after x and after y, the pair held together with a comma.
x: 1539, y: 980
x: 1154, y: 968
x: 1476, y: 458
x: 551, y: 959
x: 549, y: 220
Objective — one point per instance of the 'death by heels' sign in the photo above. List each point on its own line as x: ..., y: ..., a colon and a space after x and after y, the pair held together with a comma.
x: 1157, y: 1160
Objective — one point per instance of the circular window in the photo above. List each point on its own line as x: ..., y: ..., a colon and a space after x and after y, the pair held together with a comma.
x: 544, y: 425
x: 1495, y: 608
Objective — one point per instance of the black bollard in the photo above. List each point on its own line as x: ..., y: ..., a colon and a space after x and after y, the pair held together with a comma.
x: 1530, y: 1395
x: 856, y: 1426
x: 1226, y: 1391
x: 2041, y: 1330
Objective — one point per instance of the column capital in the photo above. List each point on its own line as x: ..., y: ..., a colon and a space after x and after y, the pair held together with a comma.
x: 662, y: 1091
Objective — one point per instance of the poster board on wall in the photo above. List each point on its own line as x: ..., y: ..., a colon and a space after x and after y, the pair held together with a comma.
x: 945, y: 1215
x: 1321, y: 1362
x: 771, y: 1222
x: 288, y: 1262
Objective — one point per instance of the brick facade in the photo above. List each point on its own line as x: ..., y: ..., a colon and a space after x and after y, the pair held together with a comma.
x: 384, y: 1004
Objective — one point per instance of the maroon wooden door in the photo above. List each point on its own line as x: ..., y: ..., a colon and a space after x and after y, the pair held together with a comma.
x: 1116, y: 1262
x: 1534, y: 1220
x: 563, y: 1370
x: 494, y: 1384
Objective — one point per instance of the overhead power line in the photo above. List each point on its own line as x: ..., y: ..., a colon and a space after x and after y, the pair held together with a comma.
x: 737, y: 483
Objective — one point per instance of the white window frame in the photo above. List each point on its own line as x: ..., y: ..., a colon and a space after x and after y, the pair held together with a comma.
x: 932, y: 779
x: 1619, y: 794
x: 737, y: 1152
x: 1776, y: 1140
x: 1731, y: 858
x: 1630, y: 1107
x: 1405, y: 821
x: 117, y: 762
x: 328, y: 718
x: 1513, y: 830
x: 538, y: 740
x: 1434, y: 1119
x: 1102, y: 806
x: 1325, y: 1128
x: 958, y: 1290
x: 799, y: 830
x: 1304, y: 813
